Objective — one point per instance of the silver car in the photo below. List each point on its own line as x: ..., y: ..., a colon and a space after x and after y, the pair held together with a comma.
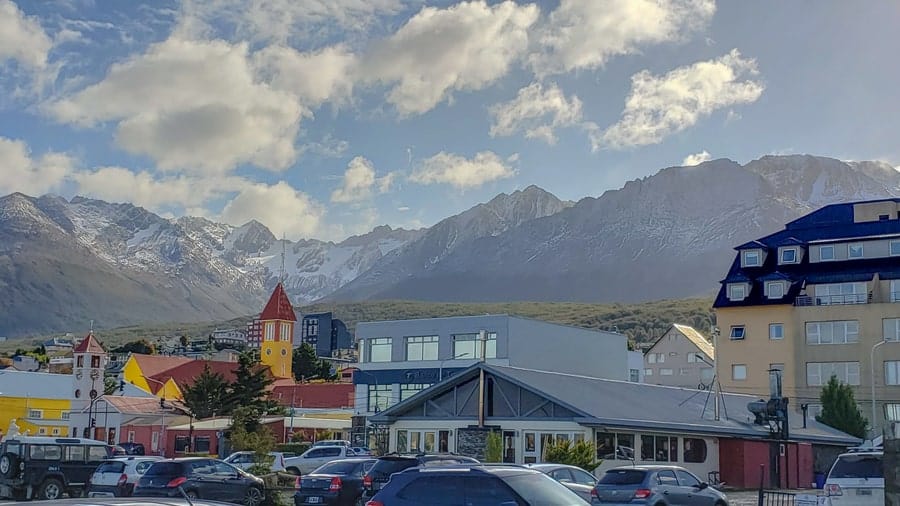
x: 655, y: 486
x: 574, y: 478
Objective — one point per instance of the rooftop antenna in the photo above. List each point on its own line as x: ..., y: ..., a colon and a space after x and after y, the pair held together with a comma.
x: 283, y: 246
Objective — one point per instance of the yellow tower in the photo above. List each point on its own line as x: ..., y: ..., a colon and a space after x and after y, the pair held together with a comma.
x: 277, y: 322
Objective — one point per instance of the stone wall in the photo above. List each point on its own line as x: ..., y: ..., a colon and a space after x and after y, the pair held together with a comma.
x: 471, y: 442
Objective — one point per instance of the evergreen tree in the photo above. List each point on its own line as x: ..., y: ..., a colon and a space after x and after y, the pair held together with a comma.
x: 250, y: 387
x: 305, y: 363
x: 839, y: 409
x: 206, y: 396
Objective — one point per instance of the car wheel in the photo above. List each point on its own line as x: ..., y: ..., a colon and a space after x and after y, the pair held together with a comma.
x: 9, y: 465
x: 253, y: 497
x: 51, y: 490
x: 192, y: 494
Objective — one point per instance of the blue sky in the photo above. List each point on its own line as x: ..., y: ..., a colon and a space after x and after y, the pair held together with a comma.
x: 324, y: 118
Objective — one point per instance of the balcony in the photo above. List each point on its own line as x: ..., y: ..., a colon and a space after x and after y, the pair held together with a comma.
x: 834, y: 300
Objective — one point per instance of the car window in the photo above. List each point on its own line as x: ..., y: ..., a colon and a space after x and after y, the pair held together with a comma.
x: 538, y: 489
x: 203, y: 467
x: 666, y: 477
x: 623, y: 477
x: 857, y: 466
x: 111, y: 467
x: 314, y: 454
x: 686, y: 479
x: 45, y: 452
x: 142, y: 466
x: 165, y: 469
x: 332, y: 451
x: 97, y: 453
x: 75, y: 453
x: 487, y: 491
x: 223, y: 469
x: 583, y: 477
x: 561, y: 474
x: 436, y: 490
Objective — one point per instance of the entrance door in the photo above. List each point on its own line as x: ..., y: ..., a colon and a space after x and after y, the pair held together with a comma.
x: 530, y: 451
x: 509, y: 447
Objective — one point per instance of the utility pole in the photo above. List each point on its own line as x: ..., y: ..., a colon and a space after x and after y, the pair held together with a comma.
x: 482, y: 336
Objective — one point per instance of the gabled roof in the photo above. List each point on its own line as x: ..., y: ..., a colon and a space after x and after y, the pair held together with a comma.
x: 788, y: 241
x: 614, y: 404
x: 279, y: 306
x: 775, y: 276
x: 153, y: 365
x: 188, y: 372
x: 696, y: 338
x: 313, y: 395
x: 752, y: 245
x: 89, y: 344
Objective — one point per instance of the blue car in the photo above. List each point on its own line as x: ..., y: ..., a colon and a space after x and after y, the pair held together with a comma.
x: 654, y: 486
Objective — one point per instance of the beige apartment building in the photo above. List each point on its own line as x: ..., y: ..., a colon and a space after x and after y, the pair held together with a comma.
x: 819, y: 298
x: 682, y: 357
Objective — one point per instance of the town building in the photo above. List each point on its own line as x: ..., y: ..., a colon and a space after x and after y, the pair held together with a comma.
x: 39, y: 403
x: 820, y: 298
x: 229, y: 338
x: 402, y: 357
x: 254, y: 333
x: 277, y: 347
x: 681, y: 357
x: 714, y: 436
x: 327, y: 334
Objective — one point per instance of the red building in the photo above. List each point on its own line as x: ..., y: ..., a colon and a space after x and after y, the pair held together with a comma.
x: 746, y: 463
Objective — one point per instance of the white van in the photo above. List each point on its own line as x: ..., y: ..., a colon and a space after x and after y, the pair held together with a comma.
x: 856, y: 479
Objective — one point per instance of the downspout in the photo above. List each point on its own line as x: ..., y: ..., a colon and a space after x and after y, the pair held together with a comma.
x: 482, y: 336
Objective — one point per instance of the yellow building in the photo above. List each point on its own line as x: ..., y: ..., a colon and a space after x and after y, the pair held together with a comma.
x: 820, y: 298
x: 40, y: 403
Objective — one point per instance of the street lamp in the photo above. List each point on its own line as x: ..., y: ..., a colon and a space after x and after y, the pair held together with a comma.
x: 441, y: 368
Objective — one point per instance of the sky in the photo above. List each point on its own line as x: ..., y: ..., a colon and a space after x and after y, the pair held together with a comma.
x: 324, y: 118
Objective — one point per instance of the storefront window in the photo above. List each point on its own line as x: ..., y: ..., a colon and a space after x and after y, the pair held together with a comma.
x: 659, y: 448
x: 694, y: 450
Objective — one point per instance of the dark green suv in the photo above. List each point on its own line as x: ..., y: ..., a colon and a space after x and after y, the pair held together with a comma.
x: 34, y: 467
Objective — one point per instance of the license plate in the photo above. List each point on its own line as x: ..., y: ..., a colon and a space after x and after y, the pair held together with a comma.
x: 863, y: 491
x: 101, y: 494
x: 313, y: 500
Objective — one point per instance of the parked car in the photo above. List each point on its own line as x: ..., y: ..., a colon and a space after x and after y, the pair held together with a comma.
x: 47, y: 467
x: 126, y: 501
x: 573, y: 478
x: 117, y: 477
x: 331, y: 442
x: 387, y: 465
x: 245, y: 460
x: 313, y: 458
x: 656, y: 486
x: 133, y: 448
x: 475, y: 485
x: 198, y: 477
x: 856, y: 478
x: 337, y: 483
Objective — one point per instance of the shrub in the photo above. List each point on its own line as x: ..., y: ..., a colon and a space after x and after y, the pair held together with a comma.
x: 493, y: 449
x: 579, y: 454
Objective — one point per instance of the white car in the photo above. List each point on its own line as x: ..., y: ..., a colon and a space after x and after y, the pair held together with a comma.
x: 331, y: 442
x: 856, y: 479
x: 116, y: 477
x: 311, y: 459
x: 245, y: 460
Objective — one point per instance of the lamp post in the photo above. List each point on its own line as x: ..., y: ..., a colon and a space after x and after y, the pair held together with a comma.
x: 162, y: 405
x: 441, y: 368
x: 375, y: 378
x: 872, y: 380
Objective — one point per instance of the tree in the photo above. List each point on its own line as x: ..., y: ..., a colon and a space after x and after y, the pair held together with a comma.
x: 206, y: 396
x: 141, y: 346
x: 493, y: 449
x: 249, y: 434
x: 306, y: 365
x: 580, y: 454
x: 839, y: 409
x: 110, y: 385
x: 250, y: 386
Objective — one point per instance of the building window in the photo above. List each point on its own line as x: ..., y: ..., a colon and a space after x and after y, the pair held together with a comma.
x: 270, y: 332
x: 694, y: 450
x: 201, y: 444
x: 648, y: 372
x: 895, y: 248
x: 838, y: 332
x: 818, y: 373
x: 841, y: 293
x: 737, y: 291
x: 379, y: 397
x: 79, y: 362
x: 36, y: 413
x: 738, y: 332
x: 776, y: 331
x: 56, y: 431
x: 634, y: 375
x: 95, y: 361
x: 380, y: 349
x: 826, y: 253
x: 408, y: 390
x: 775, y: 289
x: 285, y: 334
x: 469, y: 345
x: 739, y: 372
x: 131, y: 436
x: 855, y: 250
x: 63, y: 415
x: 789, y: 256
x: 656, y: 358
x: 752, y: 258
x: 892, y: 372
x: 694, y: 357
x: 892, y: 412
x: 777, y: 367
x: 895, y: 290
x: 665, y: 372
x: 891, y: 329
x: 659, y: 448
x: 422, y: 348
x: 684, y: 371
x: 615, y: 446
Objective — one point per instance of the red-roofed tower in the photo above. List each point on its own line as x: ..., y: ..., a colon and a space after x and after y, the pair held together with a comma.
x: 90, y: 364
x: 277, y: 321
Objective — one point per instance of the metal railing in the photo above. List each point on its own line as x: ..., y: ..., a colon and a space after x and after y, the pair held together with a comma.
x: 773, y: 498
x: 834, y: 300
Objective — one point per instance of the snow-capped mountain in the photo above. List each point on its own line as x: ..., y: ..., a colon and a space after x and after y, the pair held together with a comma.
x: 66, y: 262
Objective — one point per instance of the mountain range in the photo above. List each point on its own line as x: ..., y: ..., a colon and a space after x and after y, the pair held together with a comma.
x: 66, y: 262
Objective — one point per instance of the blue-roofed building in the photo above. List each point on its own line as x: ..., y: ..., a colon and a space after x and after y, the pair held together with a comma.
x: 817, y: 299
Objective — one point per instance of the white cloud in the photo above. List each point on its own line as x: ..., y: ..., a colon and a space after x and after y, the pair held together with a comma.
x: 33, y: 176
x: 538, y: 111
x: 467, y: 46
x: 315, y: 77
x: 696, y: 159
x: 584, y: 34
x: 359, y: 182
x: 403, y: 209
x: 191, y: 105
x: 284, y: 210
x: 460, y: 172
x: 22, y: 38
x: 659, y: 106
x: 327, y: 147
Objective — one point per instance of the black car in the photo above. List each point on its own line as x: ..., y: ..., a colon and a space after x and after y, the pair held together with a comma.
x: 387, y: 465
x: 38, y: 467
x: 474, y: 486
x: 133, y: 448
x: 125, y: 501
x: 337, y: 483
x: 200, y: 478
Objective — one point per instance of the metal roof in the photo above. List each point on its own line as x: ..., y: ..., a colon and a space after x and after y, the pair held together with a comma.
x: 36, y: 385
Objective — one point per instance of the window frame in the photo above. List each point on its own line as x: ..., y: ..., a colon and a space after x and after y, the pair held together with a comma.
x: 737, y: 367
x: 891, y: 372
x: 822, y: 379
x: 832, y: 325
x: 774, y: 284
x: 892, y: 251
x: 422, y: 344
x: 738, y: 329
x: 380, y: 343
x: 751, y: 253
x: 733, y: 287
x: 896, y: 331
x: 382, y: 397
x: 862, y: 250
x: 772, y: 335
x: 831, y: 248
x: 794, y: 260
x: 475, y: 351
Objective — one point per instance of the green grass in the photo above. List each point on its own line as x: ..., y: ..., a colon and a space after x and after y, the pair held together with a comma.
x: 642, y: 322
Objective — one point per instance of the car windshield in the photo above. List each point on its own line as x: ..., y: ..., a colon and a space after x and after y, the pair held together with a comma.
x: 386, y: 467
x: 538, y: 489
x: 858, y: 466
x: 165, y: 469
x: 111, y: 467
x: 623, y: 477
x: 337, y: 468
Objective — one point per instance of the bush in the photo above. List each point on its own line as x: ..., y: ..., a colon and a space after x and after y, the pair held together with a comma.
x: 297, y: 448
x: 580, y: 454
x: 493, y: 450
